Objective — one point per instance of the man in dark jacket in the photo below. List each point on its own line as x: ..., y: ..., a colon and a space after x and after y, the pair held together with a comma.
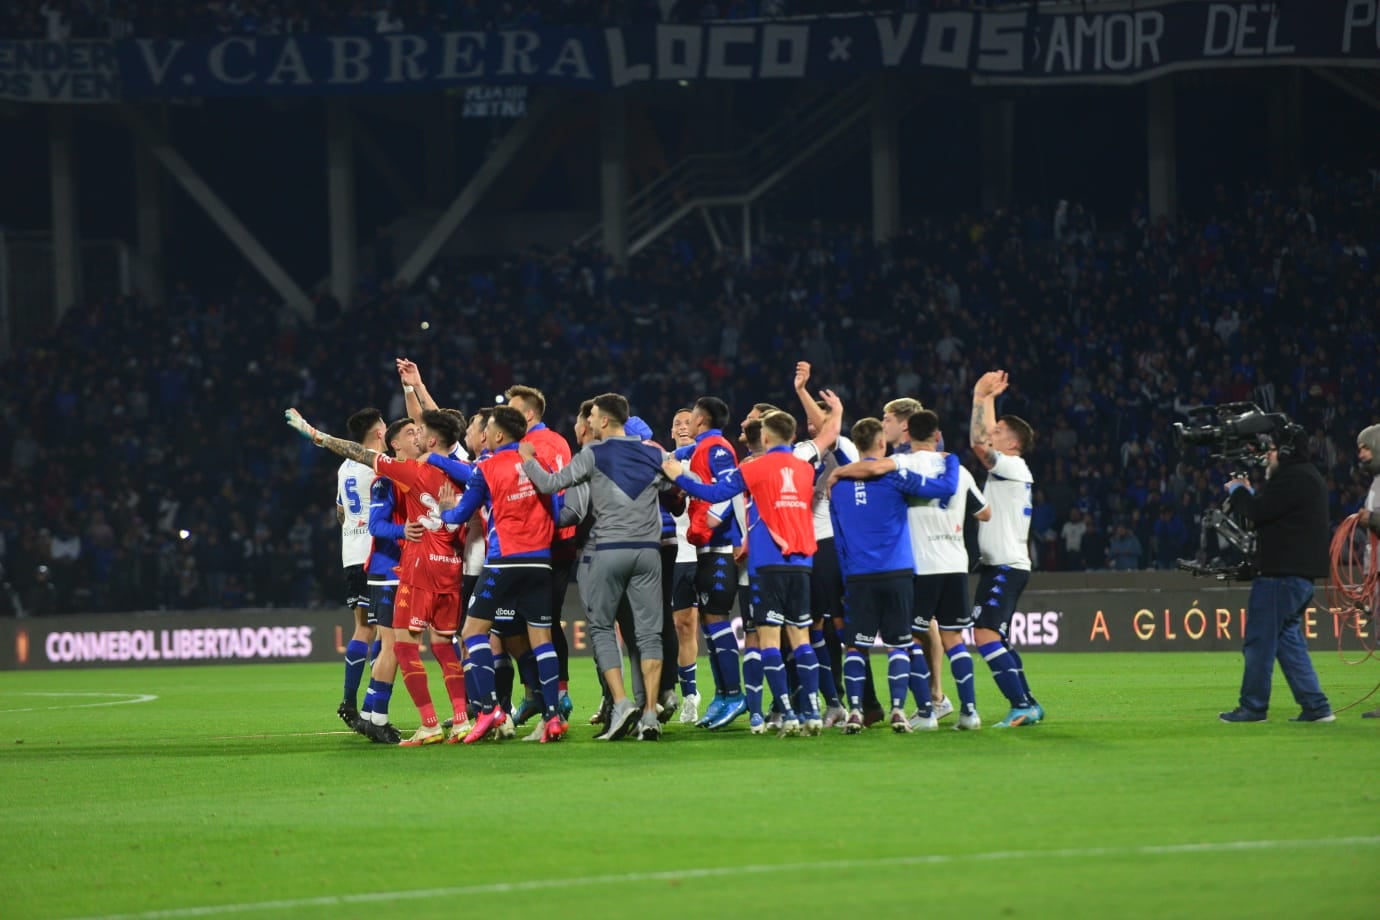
x: 1290, y: 517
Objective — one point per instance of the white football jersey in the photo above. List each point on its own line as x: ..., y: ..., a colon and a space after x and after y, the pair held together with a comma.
x: 685, y: 551
x: 353, y: 482
x: 936, y: 525
x: 824, y: 464
x: 476, y: 543
x: 1004, y: 540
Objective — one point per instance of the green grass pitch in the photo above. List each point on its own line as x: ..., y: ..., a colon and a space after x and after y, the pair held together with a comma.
x: 234, y: 790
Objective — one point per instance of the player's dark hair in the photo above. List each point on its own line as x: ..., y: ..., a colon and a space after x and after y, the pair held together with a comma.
x: 714, y: 409
x: 613, y: 406
x: 444, y: 425
x: 483, y: 413
x: 1021, y: 428
x: 922, y: 425
x: 867, y: 434
x: 395, y: 429
x: 680, y: 410
x: 362, y: 422
x: 764, y: 408
x: 459, y: 417
x: 584, y: 409
x: 780, y: 424
x: 752, y: 434
x: 510, y: 422
x: 530, y: 395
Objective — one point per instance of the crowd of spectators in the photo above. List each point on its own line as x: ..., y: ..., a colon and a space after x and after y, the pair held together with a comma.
x: 62, y: 19
x: 148, y: 465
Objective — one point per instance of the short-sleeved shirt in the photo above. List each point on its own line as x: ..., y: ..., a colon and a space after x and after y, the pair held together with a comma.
x: 1004, y: 540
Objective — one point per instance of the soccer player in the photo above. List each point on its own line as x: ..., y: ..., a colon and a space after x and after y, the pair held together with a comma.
x: 353, y: 483
x: 683, y: 599
x: 428, y: 597
x: 826, y: 580
x: 895, y: 415
x: 1003, y: 543
x: 553, y: 452
x: 388, y: 529
x: 623, y: 553
x: 514, y: 590
x: 941, y: 567
x: 716, y: 571
x: 870, y: 530
x: 781, y: 544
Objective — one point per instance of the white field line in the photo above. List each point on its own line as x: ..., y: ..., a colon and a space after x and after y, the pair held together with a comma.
x: 120, y: 699
x: 556, y: 884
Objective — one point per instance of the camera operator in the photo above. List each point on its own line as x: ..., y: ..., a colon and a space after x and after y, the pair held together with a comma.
x: 1368, y: 452
x: 1290, y: 517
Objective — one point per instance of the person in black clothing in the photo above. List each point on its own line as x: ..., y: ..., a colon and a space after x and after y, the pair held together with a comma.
x: 1290, y: 517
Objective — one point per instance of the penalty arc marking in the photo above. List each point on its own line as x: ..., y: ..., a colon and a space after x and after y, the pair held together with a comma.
x: 669, y: 875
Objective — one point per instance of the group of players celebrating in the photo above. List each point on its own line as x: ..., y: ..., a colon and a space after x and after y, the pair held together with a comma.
x: 468, y: 532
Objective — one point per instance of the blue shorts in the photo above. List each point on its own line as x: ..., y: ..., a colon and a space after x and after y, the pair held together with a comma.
x: 716, y: 584
x: 880, y: 605
x: 942, y: 599
x: 513, y: 598
x: 998, y: 591
x: 782, y: 598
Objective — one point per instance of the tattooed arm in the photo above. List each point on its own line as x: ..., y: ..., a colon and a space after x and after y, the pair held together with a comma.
x: 350, y: 450
x: 985, y: 415
x: 417, y: 399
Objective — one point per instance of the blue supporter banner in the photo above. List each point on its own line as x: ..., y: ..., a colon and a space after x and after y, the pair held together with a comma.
x: 1101, y: 43
x: 47, y: 71
x: 1110, y: 44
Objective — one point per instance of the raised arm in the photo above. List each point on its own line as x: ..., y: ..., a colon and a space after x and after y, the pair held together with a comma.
x: 414, y: 391
x: 350, y: 450
x: 985, y: 392
x: 813, y: 413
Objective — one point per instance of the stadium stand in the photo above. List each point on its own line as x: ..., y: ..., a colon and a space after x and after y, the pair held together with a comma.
x: 146, y: 468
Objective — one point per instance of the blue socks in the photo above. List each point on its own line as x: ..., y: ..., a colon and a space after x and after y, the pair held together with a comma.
x: 810, y: 674
x: 775, y: 671
x: 688, y: 683
x: 854, y: 676
x: 825, y: 672
x: 549, y: 676
x: 961, y: 666
x: 1020, y: 672
x: 920, y: 679
x: 482, y: 667
x: 356, y: 655
x: 1005, y: 672
x: 753, y: 672
x: 898, y: 676
x: 723, y: 648
x: 376, y: 698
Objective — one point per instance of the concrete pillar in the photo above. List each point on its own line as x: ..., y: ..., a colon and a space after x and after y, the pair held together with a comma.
x: 613, y: 175
x: 997, y: 124
x: 1163, y: 155
x: 340, y: 200
x: 886, y: 160
x: 1285, y: 114
x: 148, y: 215
x: 66, y: 241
